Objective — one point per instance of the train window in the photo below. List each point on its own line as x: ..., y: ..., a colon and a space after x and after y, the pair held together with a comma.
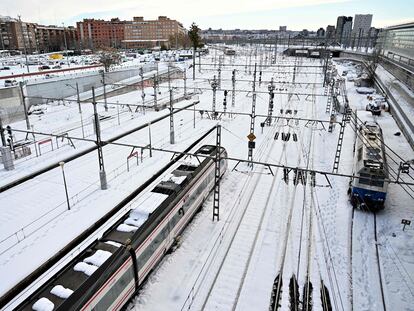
x: 364, y: 179
x: 377, y: 182
x: 371, y: 180
x: 115, y: 291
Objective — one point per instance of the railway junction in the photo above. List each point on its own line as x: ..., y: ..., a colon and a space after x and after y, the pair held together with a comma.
x: 277, y: 231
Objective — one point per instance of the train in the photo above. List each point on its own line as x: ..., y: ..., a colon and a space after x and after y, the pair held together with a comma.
x: 368, y: 186
x: 108, y: 273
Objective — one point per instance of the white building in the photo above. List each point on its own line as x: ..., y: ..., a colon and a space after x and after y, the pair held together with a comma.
x: 362, y: 24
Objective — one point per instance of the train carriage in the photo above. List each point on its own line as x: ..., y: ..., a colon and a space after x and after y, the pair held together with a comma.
x: 108, y: 273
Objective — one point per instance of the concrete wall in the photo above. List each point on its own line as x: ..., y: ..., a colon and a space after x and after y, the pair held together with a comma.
x: 66, y: 87
x: 11, y: 106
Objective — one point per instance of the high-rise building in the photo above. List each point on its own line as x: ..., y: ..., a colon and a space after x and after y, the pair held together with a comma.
x: 320, y: 33
x: 343, y: 28
x: 283, y: 28
x: 98, y: 33
x: 330, y: 31
x: 142, y: 33
x: 362, y: 24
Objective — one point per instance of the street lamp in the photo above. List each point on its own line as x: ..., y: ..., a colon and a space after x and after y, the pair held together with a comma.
x: 61, y: 164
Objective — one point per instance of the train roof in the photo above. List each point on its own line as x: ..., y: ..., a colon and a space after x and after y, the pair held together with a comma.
x: 76, y: 273
x: 373, y: 153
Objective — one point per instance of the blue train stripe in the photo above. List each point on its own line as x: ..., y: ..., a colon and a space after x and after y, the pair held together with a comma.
x: 369, y: 194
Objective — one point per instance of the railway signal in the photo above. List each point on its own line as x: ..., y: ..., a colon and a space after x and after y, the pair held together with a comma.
x: 405, y: 222
x: 214, y: 85
x: 271, y: 88
x: 403, y: 168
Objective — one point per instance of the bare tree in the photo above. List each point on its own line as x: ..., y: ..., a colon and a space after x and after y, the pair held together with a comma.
x: 109, y: 57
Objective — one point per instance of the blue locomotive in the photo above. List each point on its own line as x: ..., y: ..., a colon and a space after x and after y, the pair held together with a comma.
x: 368, y: 187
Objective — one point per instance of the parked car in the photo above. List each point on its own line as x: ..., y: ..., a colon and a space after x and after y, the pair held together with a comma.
x: 5, y: 68
x: 8, y: 83
x: 374, y: 108
x: 44, y: 67
x: 57, y: 67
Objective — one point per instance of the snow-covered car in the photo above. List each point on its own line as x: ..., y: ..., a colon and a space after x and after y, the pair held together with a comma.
x: 374, y: 108
x: 365, y: 90
x: 8, y: 83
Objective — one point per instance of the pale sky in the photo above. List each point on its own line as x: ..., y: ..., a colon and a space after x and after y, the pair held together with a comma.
x: 226, y: 14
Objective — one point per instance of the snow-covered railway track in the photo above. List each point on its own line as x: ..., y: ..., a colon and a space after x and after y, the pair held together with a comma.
x: 295, y: 279
x: 237, y: 256
x: 365, y: 261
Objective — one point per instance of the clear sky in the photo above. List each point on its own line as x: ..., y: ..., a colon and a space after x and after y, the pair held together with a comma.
x: 226, y: 14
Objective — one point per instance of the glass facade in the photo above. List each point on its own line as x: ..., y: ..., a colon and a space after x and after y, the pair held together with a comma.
x: 398, y: 42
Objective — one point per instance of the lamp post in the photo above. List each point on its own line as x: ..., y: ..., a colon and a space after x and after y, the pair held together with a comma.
x: 61, y: 164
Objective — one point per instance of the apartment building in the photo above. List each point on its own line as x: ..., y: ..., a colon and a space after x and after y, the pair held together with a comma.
x: 362, y: 24
x: 31, y: 37
x: 140, y: 33
x: 17, y: 35
x: 98, y: 33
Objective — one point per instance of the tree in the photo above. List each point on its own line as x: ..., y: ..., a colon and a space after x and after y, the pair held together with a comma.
x: 195, y: 38
x: 181, y: 40
x: 109, y: 57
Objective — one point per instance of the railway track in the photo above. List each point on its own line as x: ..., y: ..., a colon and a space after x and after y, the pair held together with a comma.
x: 242, y: 243
x: 253, y: 228
x: 84, y: 152
x: 24, y: 285
x: 300, y: 299
x: 365, y: 262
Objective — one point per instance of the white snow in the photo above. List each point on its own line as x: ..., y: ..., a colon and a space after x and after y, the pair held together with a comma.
x: 43, y: 304
x: 175, y: 179
x: 365, y: 90
x: 183, y: 279
x: 126, y: 228
x: 116, y: 244
x: 61, y: 292
x: 136, y: 222
x: 147, y: 203
x: 85, y: 268
x: 98, y: 258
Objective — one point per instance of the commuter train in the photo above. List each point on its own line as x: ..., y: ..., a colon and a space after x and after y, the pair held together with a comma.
x: 368, y: 187
x: 110, y: 271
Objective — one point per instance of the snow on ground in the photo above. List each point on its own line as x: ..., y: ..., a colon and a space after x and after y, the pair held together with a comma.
x: 265, y: 223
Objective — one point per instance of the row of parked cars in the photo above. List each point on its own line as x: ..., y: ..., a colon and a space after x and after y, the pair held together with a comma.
x: 8, y: 83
